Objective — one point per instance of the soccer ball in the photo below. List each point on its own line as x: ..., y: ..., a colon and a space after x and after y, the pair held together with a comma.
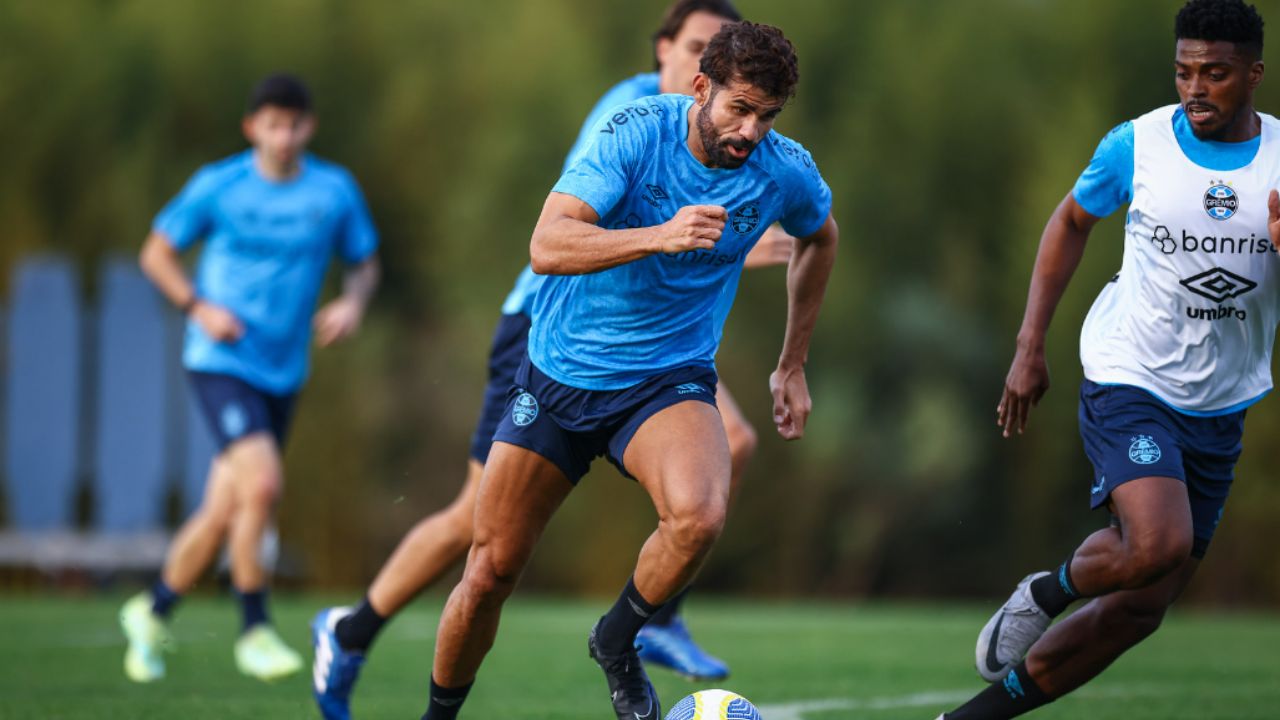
x: 714, y: 705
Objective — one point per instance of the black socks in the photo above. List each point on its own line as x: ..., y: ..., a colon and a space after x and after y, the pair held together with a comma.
x: 617, y: 630
x: 356, y: 631
x: 1016, y: 694
x: 1055, y: 591
x: 445, y: 703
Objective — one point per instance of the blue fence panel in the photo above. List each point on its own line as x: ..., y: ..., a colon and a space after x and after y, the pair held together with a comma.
x: 42, y: 416
x: 129, y: 461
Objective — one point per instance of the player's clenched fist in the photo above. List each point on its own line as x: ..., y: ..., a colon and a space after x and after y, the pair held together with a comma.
x: 694, y: 227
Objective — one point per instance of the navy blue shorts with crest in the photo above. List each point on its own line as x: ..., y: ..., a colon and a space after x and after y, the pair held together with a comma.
x: 571, y: 427
x: 236, y: 409
x: 1129, y: 434
x: 510, y: 340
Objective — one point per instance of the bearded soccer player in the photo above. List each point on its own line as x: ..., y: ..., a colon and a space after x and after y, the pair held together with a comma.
x: 1175, y: 348
x: 271, y: 219
x: 343, y: 636
x: 643, y: 239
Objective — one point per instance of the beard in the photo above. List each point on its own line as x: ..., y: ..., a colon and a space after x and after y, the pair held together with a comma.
x: 715, y: 146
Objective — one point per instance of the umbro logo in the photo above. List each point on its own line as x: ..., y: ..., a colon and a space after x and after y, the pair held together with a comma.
x: 689, y: 388
x: 1218, y: 284
x: 654, y: 194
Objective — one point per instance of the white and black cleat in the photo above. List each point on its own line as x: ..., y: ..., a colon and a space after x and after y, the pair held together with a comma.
x: 1011, y: 632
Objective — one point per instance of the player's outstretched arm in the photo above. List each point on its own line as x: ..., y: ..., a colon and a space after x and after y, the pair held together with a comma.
x: 1061, y: 247
x: 340, y: 318
x: 567, y: 241
x: 162, y: 264
x: 806, y: 283
x: 773, y: 248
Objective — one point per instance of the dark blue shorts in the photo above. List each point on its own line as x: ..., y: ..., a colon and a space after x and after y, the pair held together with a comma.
x: 1129, y: 433
x: 236, y: 409
x: 509, y: 343
x: 571, y: 427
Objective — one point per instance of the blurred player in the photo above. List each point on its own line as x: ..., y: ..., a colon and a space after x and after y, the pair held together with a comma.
x: 343, y: 636
x: 1174, y: 349
x: 271, y: 219
x: 643, y: 239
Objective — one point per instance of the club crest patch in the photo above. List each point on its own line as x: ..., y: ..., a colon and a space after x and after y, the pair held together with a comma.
x: 1143, y: 450
x: 525, y: 410
x: 745, y: 219
x: 1221, y: 202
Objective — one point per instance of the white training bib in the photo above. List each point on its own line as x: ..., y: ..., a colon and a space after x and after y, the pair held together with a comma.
x: 1191, y: 316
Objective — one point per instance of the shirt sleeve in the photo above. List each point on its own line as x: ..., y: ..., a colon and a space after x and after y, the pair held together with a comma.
x: 1107, y: 184
x: 358, y: 238
x: 188, y: 217
x: 810, y: 197
x: 599, y: 175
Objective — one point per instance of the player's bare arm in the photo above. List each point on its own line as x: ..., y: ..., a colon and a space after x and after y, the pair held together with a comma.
x: 161, y: 262
x: 340, y: 318
x: 773, y: 248
x: 566, y: 240
x: 1061, y: 247
x: 806, y: 283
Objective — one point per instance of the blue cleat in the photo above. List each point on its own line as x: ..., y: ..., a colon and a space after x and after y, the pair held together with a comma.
x: 670, y: 646
x: 334, y: 670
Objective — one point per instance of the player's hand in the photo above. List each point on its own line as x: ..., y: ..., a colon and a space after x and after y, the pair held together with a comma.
x: 217, y: 322
x: 773, y: 248
x: 1027, y: 382
x: 694, y: 227
x: 791, y: 403
x: 338, y: 320
x: 1273, y: 220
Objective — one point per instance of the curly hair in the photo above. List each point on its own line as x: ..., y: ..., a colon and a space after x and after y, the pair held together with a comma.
x: 759, y: 55
x: 1221, y: 20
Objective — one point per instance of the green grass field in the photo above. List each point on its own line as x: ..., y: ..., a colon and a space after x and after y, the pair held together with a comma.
x: 62, y: 659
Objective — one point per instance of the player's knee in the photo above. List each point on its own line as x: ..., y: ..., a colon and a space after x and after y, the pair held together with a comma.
x: 1154, y: 555
x: 695, y: 531
x: 491, y: 576
x: 461, y: 523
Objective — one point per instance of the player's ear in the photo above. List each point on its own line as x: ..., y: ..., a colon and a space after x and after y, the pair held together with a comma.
x: 1255, y: 75
x: 662, y: 50
x: 701, y: 88
x: 247, y: 127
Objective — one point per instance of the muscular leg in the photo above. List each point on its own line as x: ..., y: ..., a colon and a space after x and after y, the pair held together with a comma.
x: 196, y: 543
x: 1080, y: 647
x: 518, y: 494
x: 681, y: 458
x: 1153, y: 539
x: 428, y: 551
x: 1133, y: 572
x: 257, y: 476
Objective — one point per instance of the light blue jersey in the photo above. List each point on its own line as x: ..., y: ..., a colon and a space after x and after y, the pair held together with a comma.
x: 267, y: 247
x: 1107, y: 184
x: 612, y: 329
x: 520, y: 299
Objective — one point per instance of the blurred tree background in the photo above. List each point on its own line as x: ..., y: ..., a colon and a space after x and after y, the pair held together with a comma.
x: 948, y: 131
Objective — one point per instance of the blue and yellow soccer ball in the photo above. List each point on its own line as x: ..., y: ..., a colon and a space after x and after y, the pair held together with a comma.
x: 714, y: 705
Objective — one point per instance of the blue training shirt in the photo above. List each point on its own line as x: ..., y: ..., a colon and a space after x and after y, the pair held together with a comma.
x: 520, y: 299
x: 611, y: 329
x: 1107, y: 184
x: 267, y: 247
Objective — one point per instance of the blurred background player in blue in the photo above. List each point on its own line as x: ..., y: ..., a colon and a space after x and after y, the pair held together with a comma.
x: 1175, y: 349
x: 643, y: 240
x: 271, y: 218
x: 343, y: 636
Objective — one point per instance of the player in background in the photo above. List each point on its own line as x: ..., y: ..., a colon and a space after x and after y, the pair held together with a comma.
x: 342, y: 636
x: 271, y: 219
x: 1175, y: 348
x: 643, y: 239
